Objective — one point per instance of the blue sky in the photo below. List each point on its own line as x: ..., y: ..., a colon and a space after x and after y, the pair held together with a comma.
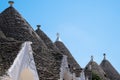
x: 86, y: 27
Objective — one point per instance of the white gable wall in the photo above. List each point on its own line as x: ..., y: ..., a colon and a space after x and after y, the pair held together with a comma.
x: 24, y: 60
x: 65, y: 74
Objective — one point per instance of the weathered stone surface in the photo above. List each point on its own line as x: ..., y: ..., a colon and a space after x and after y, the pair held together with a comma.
x: 110, y: 70
x: 2, y: 35
x: 50, y: 45
x: 73, y: 65
x: 17, y: 29
x: 52, y: 51
x: 95, y: 68
x: 13, y: 25
x: 8, y: 52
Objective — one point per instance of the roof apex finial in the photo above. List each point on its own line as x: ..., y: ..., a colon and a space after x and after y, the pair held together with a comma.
x: 38, y: 26
x: 58, y: 37
x: 104, y: 56
x: 11, y: 3
x: 92, y: 58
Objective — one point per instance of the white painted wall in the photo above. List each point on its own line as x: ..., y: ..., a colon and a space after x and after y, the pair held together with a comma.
x: 23, y: 64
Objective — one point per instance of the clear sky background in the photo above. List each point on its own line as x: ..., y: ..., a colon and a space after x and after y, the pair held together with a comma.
x: 86, y: 27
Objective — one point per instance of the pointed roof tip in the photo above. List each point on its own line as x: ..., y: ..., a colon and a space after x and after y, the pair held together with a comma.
x: 38, y: 27
x: 11, y: 3
x: 58, y: 37
x: 104, y: 56
x: 92, y: 58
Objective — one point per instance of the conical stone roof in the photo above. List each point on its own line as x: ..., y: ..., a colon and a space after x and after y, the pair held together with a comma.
x: 52, y: 47
x: 13, y: 25
x: 8, y: 53
x: 95, y: 68
x: 3, y: 38
x: 73, y: 65
x: 110, y: 71
x: 53, y: 51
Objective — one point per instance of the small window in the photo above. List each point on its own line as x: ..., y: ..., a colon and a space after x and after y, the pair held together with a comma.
x: 68, y: 65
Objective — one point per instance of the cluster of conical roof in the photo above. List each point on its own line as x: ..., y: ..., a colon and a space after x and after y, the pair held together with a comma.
x: 95, y: 68
x: 15, y: 30
x: 105, y: 70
